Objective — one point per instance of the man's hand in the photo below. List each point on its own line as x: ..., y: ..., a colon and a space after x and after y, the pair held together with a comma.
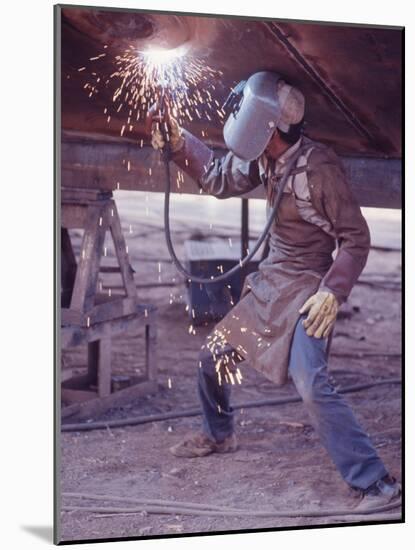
x: 322, y: 310
x: 155, y: 121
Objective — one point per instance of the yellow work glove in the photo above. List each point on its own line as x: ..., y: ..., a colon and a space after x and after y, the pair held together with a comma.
x: 155, y: 119
x: 173, y: 131
x: 322, y: 310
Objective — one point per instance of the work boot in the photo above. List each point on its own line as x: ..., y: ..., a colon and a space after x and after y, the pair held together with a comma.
x: 199, y: 444
x: 382, y: 492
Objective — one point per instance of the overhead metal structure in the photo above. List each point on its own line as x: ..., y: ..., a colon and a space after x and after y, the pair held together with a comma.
x: 351, y: 76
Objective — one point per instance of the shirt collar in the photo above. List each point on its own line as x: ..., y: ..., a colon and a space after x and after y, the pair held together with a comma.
x: 281, y: 160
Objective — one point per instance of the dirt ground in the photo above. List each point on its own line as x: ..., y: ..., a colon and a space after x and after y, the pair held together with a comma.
x: 280, y: 463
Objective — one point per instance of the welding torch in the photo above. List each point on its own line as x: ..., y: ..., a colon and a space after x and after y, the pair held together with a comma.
x: 164, y: 116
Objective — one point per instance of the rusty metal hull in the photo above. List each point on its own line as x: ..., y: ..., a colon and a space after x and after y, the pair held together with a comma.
x: 351, y: 76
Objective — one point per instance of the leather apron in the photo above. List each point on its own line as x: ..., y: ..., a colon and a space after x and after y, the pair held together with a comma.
x: 261, y: 325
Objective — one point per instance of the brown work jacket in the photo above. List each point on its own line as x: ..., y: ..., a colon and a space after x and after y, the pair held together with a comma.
x: 317, y: 214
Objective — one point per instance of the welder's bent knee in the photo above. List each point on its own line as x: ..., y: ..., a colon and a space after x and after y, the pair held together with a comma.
x: 209, y: 358
x: 315, y: 389
x: 308, y: 366
x: 206, y: 363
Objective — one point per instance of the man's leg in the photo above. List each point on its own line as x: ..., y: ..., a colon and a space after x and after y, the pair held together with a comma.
x: 217, y: 419
x: 346, y: 442
x: 214, y: 394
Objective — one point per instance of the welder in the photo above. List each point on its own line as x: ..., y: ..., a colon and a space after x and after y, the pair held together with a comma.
x: 283, y: 322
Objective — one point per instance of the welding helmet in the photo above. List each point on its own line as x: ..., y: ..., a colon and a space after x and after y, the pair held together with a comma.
x: 258, y: 106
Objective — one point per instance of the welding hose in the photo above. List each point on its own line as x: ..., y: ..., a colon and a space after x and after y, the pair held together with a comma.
x: 135, y: 420
x: 156, y: 506
x: 243, y: 261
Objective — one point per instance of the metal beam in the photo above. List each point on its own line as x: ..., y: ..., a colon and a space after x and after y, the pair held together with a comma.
x: 111, y: 164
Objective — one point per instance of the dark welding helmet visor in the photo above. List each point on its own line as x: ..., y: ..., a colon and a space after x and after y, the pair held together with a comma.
x: 260, y: 105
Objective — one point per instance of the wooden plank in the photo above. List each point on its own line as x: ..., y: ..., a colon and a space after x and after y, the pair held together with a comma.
x: 88, y: 266
x: 73, y: 335
x: 121, y: 252
x: 104, y: 312
x: 73, y: 216
x: 96, y: 406
x: 66, y: 374
x: 151, y: 351
x: 75, y: 195
x: 104, y: 366
x: 111, y: 310
x: 71, y: 395
x: 71, y: 317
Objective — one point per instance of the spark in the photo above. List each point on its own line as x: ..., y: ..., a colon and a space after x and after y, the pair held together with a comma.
x: 224, y: 361
x: 176, y: 78
x: 142, y: 78
x: 97, y: 57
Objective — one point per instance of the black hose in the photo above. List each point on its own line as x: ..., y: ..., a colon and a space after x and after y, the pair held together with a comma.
x: 132, y: 421
x: 242, y: 261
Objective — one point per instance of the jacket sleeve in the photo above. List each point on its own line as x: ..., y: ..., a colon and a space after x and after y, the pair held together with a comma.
x: 224, y: 177
x: 333, y: 199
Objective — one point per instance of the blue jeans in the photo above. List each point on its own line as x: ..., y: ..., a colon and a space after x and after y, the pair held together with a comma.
x: 345, y: 441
